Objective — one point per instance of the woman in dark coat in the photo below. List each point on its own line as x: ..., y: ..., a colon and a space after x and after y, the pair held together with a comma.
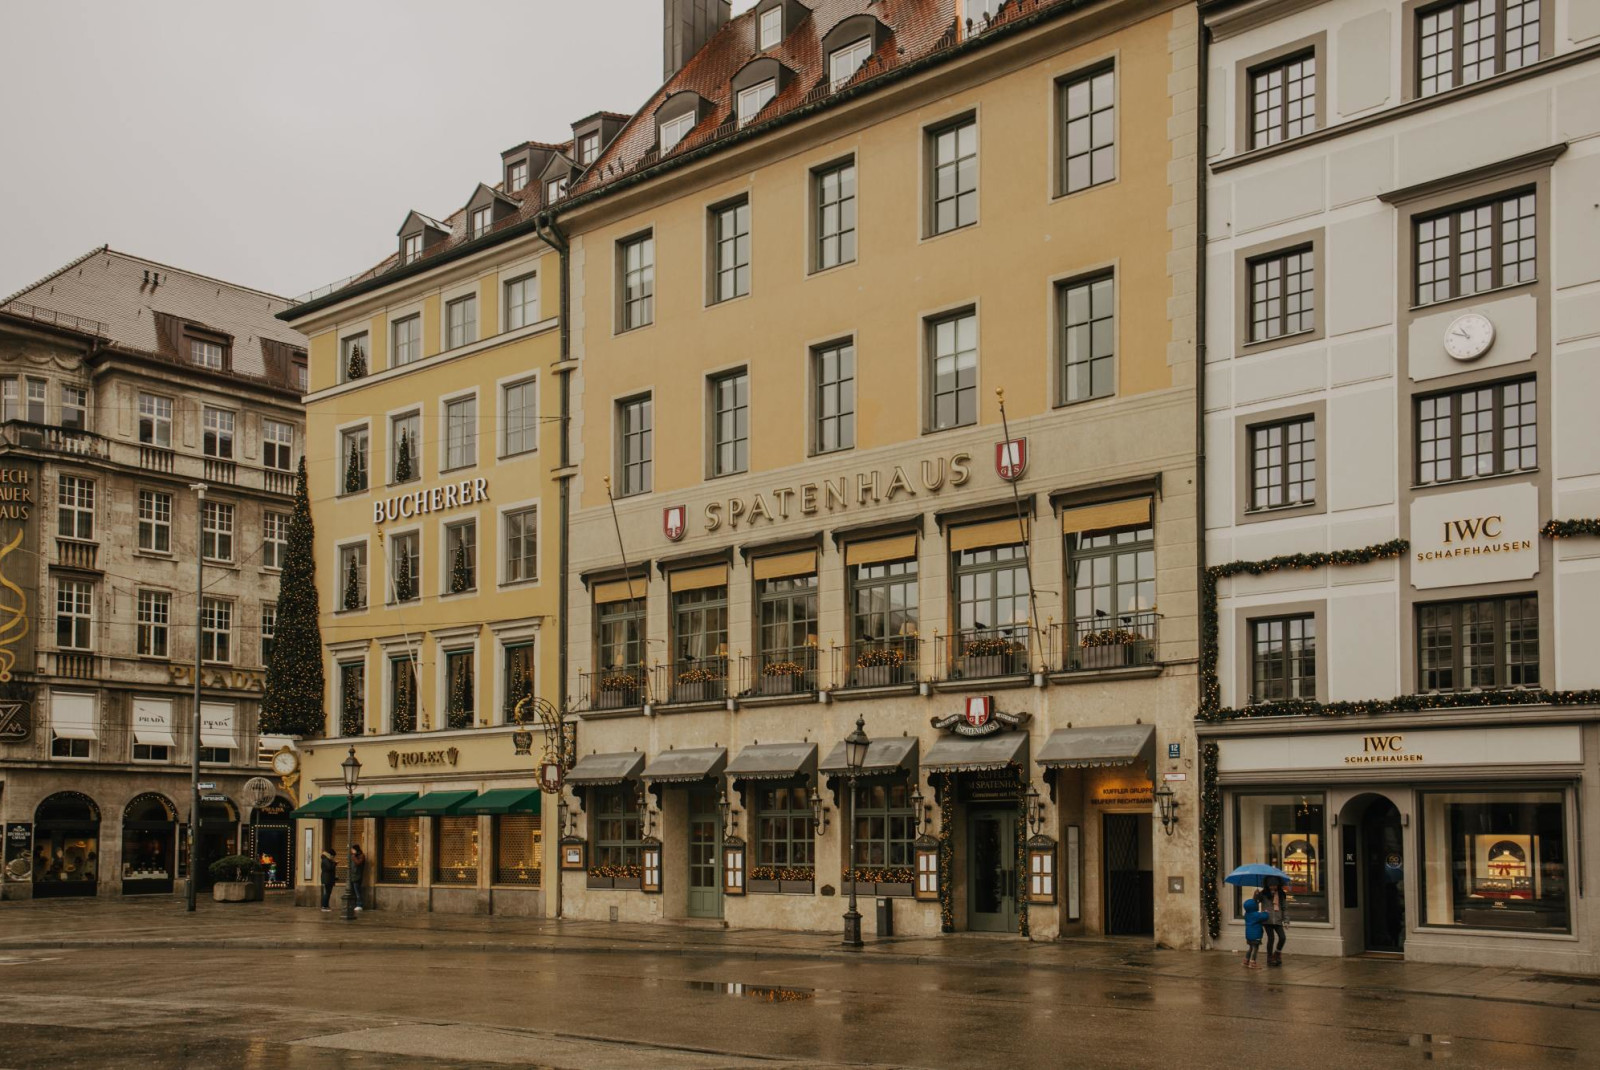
x: 360, y: 871
x: 1274, y: 902
x: 330, y: 876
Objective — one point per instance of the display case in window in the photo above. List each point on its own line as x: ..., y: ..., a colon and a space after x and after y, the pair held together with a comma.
x: 399, y: 850
x: 1496, y: 860
x: 1288, y: 831
x: 149, y: 845
x: 518, y: 850
x: 455, y: 854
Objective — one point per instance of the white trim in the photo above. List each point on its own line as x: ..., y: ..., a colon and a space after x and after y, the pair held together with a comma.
x: 515, y: 633
x: 462, y: 353
x: 527, y: 267
x: 389, y: 444
x: 501, y: 536
x: 501, y: 426
x: 364, y: 541
x: 445, y: 401
x: 469, y: 288
x: 447, y: 563
x: 451, y: 641
x: 388, y: 558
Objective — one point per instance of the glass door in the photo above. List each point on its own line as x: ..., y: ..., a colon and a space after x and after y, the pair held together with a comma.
x: 1385, y: 906
x: 992, y: 871
x: 705, y: 851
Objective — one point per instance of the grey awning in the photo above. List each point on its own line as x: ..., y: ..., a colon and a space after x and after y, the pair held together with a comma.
x: 1087, y: 748
x: 968, y: 754
x: 883, y: 756
x: 600, y: 769
x: 683, y: 766
x: 774, y: 761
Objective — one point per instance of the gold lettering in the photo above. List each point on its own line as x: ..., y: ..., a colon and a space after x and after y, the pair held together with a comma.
x: 782, y: 496
x: 735, y: 511
x: 808, y: 498
x: 713, y: 515
x: 758, y: 507
x: 832, y: 493
x: 865, y: 482
x: 959, y: 473
x: 899, y: 482
x: 933, y: 478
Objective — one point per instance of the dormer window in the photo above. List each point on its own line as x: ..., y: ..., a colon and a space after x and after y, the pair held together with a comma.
x: 844, y: 63
x: 771, y: 27
x: 412, y: 249
x: 482, y: 220
x: 206, y: 354
x: 517, y: 176
x: 675, y: 130
x: 752, y: 100
x: 588, y: 149
x: 555, y: 189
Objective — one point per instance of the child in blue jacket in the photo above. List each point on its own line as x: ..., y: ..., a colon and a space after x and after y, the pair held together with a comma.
x: 1254, y: 916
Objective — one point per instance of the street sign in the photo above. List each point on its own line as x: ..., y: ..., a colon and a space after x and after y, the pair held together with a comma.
x: 1174, y: 750
x: 1175, y: 776
x: 208, y: 785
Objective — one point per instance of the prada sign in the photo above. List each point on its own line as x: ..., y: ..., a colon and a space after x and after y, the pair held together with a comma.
x: 1475, y: 536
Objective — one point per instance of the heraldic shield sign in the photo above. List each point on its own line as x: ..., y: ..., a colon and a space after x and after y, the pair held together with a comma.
x: 675, y: 521
x: 1011, y: 459
x: 980, y: 718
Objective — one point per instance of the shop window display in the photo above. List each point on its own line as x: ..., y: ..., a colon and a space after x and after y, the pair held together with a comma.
x: 455, y: 855
x: 149, y: 845
x: 399, y: 850
x: 1496, y: 860
x: 517, y: 849
x: 66, y: 846
x: 1290, y: 832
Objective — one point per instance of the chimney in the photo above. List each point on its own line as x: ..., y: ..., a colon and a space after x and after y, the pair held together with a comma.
x: 689, y: 25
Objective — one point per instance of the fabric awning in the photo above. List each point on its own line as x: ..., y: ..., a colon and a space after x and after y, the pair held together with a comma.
x: 774, y: 761
x: 1088, y: 748
x: 685, y: 766
x: 1008, y: 532
x: 602, y: 769
x: 883, y: 756
x: 325, y: 806
x: 877, y: 551
x: 973, y: 754
x: 1106, y: 515
x: 216, y: 725
x: 72, y: 716
x: 383, y: 804
x: 152, y: 723
x: 697, y: 579
x: 784, y: 566
x: 620, y: 591
x: 505, y: 801
x: 435, y: 803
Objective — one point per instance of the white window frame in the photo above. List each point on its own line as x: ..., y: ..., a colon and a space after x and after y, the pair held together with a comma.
x: 280, y: 543
x: 771, y: 27
x: 155, y: 520
x: 77, y: 504
x: 80, y: 606
x: 528, y: 310
x: 212, y: 421
x: 398, y: 347
x: 468, y: 332
x: 751, y: 100
x: 860, y: 49
x: 392, y: 454
x: 588, y: 149
x: 342, y: 438
x: 212, y: 528
x: 207, y: 354
x: 341, y: 567
x: 447, y: 557
x: 469, y: 443
x: 481, y: 221
x: 78, y: 404
x: 390, y: 558
x: 149, y: 627
x: 216, y: 631
x: 411, y: 248
x: 517, y: 177
x: 267, y: 631
x: 503, y: 543
x: 530, y: 426
x: 278, y: 437
x: 674, y: 130
x: 160, y: 421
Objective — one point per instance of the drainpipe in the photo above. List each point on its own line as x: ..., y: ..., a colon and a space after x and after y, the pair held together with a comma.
x: 1202, y: 130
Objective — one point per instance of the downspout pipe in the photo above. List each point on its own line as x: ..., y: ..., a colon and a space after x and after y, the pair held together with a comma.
x: 1201, y: 154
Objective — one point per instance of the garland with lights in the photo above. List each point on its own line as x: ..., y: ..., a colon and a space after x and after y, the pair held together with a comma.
x: 1210, y: 841
x: 783, y: 873
x: 292, y: 704
x: 1021, y: 840
x: 1570, y: 529
x: 947, y: 854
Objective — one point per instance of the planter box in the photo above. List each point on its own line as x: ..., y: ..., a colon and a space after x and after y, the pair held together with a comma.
x: 756, y: 887
x: 231, y: 892
x: 981, y: 667
x: 696, y: 692
x: 1111, y: 656
x: 617, y: 700
x: 778, y: 685
x: 627, y: 882
x: 869, y: 890
x: 876, y: 676
x: 599, y: 882
x: 799, y: 887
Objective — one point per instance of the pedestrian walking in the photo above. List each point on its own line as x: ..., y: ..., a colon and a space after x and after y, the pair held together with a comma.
x: 358, y: 871
x: 330, y: 876
x: 1275, y: 902
x: 1254, y: 917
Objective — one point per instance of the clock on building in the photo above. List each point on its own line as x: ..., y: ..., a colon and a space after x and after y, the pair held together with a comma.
x: 285, y: 762
x: 1469, y: 336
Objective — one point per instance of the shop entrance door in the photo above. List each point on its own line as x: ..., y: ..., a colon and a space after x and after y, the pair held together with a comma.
x: 1129, y: 875
x: 992, y: 870
x: 1384, y: 908
x: 705, y: 855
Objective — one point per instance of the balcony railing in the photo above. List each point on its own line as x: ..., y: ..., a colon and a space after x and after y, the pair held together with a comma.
x: 71, y: 553
x: 1105, y: 641
x: 986, y: 653
x: 621, y: 688
x: 155, y: 459
x: 892, y: 662
x: 691, y: 680
x: 72, y: 664
x: 217, y: 470
x: 68, y: 440
x: 780, y: 671
x: 277, y: 482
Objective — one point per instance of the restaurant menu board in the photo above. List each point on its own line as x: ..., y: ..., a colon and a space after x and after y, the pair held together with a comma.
x: 18, y: 864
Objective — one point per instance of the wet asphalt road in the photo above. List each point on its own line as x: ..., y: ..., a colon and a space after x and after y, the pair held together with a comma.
x: 139, y: 1008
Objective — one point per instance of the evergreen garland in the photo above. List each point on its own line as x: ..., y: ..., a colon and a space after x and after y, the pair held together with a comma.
x: 460, y: 715
x: 1567, y: 529
x: 357, y: 367
x: 353, y: 715
x: 352, y: 586
x: 354, y: 476
x: 292, y: 704
x: 947, y: 854
x: 1210, y: 841
x: 1021, y: 840
x: 460, y: 576
x: 404, y: 584
x: 402, y: 462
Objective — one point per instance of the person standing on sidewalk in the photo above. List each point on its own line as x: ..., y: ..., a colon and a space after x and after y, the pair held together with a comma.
x: 1275, y: 903
x: 359, y: 872
x: 330, y: 876
x: 1253, y: 918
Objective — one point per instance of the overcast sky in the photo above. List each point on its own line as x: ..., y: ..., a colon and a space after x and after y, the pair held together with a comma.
x: 279, y: 144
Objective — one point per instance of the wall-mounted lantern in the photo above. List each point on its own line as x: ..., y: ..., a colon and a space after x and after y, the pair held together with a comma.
x: 1167, y: 807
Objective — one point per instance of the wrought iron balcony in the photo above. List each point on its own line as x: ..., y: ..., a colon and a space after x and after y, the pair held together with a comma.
x: 692, y: 680
x: 986, y: 653
x: 780, y: 671
x: 620, y: 688
x: 1105, y: 641
x: 882, y: 663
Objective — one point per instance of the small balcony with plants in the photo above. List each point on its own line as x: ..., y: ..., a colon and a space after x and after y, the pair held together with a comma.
x: 1105, y: 642
x: 875, y: 663
x: 780, y: 671
x: 686, y: 681
x: 986, y: 653
x: 620, y: 687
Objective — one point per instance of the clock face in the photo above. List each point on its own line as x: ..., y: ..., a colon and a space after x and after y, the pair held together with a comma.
x: 284, y: 762
x: 1468, y: 337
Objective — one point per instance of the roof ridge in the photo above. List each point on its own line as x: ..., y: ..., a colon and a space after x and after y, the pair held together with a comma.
x: 96, y: 251
x: 194, y: 274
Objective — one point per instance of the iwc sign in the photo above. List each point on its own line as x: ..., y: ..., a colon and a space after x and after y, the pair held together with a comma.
x: 1475, y: 536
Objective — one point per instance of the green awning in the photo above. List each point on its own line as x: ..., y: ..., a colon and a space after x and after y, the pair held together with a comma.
x: 383, y: 804
x: 436, y: 803
x: 505, y: 801
x: 326, y: 806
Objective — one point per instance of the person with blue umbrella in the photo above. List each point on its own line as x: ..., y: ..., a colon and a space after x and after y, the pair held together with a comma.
x: 1263, y: 912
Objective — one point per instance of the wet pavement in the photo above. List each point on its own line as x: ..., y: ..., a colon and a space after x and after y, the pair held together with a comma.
x: 140, y: 984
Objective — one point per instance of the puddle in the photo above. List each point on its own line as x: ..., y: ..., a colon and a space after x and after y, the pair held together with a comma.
x: 1561, y: 979
x: 759, y: 993
x: 1134, y: 996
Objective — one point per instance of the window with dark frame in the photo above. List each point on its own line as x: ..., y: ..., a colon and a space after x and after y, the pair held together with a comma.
x: 1089, y: 130
x: 482, y: 220
x: 403, y: 693
x: 1474, y: 248
x: 619, y: 628
x: 615, y: 827
x: 636, y: 264
x: 953, y: 193
x: 1283, y: 658
x: 1283, y: 464
x: 411, y: 248
x: 730, y: 423
x: 1283, y: 99
x: 991, y: 588
x: 886, y: 823
x: 519, y: 668
x: 885, y: 617
x: 353, y: 473
x: 461, y: 700
x: 785, y: 838
x: 1466, y: 41
x: 700, y: 631
x: 835, y: 191
x: 1282, y: 293
x: 730, y: 251
x: 1112, y: 576
x: 634, y: 432
x: 786, y: 616
x: 352, y: 715
x: 588, y: 149
x: 953, y: 356
x: 517, y: 177
x: 1486, y: 644
x: 1481, y: 431
x: 834, y: 371
x: 1088, y: 338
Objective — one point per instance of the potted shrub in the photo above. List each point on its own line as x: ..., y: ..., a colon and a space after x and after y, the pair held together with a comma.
x: 616, y: 876
x: 696, y: 685
x: 887, y: 882
x: 618, y: 691
x: 782, y: 678
x: 236, y: 877
x: 795, y: 880
x: 988, y: 656
x: 879, y: 666
x: 1108, y: 648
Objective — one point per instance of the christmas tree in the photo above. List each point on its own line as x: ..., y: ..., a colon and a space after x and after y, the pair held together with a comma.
x: 293, y: 701
x: 405, y: 697
x: 357, y: 368
x: 402, y: 463
x: 352, y: 719
x: 521, y: 684
x: 460, y: 575
x: 403, y: 583
x: 461, y: 696
x: 355, y: 476
x: 352, y: 586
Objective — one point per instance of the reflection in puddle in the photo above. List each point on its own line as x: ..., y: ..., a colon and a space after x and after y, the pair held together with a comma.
x: 759, y: 993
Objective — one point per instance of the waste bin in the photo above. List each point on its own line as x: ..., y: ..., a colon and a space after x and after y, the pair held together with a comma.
x: 885, y: 917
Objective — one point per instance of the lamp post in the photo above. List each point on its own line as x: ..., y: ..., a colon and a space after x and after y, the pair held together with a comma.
x: 855, y: 756
x: 1167, y: 806
x: 194, y: 748
x: 351, y: 767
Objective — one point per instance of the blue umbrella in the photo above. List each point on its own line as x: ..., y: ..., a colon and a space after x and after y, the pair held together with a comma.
x: 1254, y: 875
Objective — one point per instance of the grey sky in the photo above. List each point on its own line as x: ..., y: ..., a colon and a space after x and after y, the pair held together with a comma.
x: 279, y: 144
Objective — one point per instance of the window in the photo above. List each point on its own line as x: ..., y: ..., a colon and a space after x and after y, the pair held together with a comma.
x: 844, y: 62
x: 786, y: 613
x: 522, y: 302
x: 38, y: 392
x: 634, y: 430
x: 991, y: 586
x: 461, y: 321
x: 675, y: 130
x: 461, y: 700
x: 752, y: 100
x: 155, y: 521
x: 522, y: 545
x: 520, y: 413
x: 216, y: 631
x: 353, y: 460
x: 455, y: 850
x: 517, y: 176
x: 407, y: 345
x: 461, y: 546
x: 953, y: 345
x: 66, y: 747
x: 1089, y: 120
x: 771, y: 27
x: 1290, y: 832
x: 1283, y: 100
x: 461, y: 432
x: 730, y: 250
x: 218, y: 439
x: 482, y: 220
x: 555, y: 189
x: 352, y: 698
x: 1112, y: 576
x: 297, y: 375
x: 150, y: 752
x: 405, y: 563
x: 1469, y: 40
x: 269, y: 631
x: 700, y: 632
x: 1283, y: 464
x: 616, y: 827
x: 74, y: 507
x: 730, y: 424
x: 886, y: 824
x: 884, y: 619
x: 835, y: 374
x: 588, y: 149
x: 1089, y: 339
x: 403, y: 694
x: 785, y: 836
x: 216, y: 531
x: 1283, y: 659
x: 206, y: 354
x: 353, y: 357
x: 154, y: 617
x: 12, y: 407
x: 1483, y: 246
x: 274, y: 539
x: 519, y: 670
x: 836, y: 215
x: 954, y: 195
x: 1482, y: 431
x: 216, y: 732
x: 399, y: 849
x: 74, y: 407
x: 1482, y: 644
x: 518, y: 849
x: 1282, y: 294
x: 277, y: 445
x: 352, y: 578
x: 411, y: 248
x: 1496, y: 860
x: 404, y: 447
x: 637, y: 262
x: 620, y: 628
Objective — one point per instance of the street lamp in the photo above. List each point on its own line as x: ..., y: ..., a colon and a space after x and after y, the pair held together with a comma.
x: 1167, y: 806
x: 351, y: 768
x: 855, y: 756
x: 194, y: 750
